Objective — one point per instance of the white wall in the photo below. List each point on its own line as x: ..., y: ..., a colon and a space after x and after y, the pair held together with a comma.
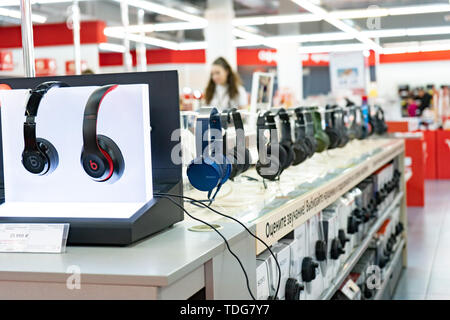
x: 89, y: 53
x: 194, y: 76
x: 412, y: 73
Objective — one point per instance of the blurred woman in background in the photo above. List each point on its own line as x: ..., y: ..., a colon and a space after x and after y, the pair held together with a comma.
x: 225, y: 88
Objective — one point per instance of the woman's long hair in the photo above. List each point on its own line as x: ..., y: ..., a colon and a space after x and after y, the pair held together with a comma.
x: 233, y: 81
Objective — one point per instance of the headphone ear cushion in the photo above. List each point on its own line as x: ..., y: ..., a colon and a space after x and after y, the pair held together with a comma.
x: 333, y: 136
x: 272, y: 170
x: 283, y: 158
x: 110, y: 148
x: 204, y: 174
x: 50, y: 153
x: 286, y: 146
x: 301, y: 152
x: 310, y: 142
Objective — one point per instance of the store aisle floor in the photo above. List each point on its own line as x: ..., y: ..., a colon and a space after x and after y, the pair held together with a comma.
x: 428, y: 272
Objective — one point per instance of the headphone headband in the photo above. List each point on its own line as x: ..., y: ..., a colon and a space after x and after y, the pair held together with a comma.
x: 38, y: 93
x: 286, y: 132
x: 90, y: 142
x: 208, y: 119
x: 238, y: 126
x: 34, y: 100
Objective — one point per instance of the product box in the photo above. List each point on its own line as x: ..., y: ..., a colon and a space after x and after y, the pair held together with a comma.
x: 330, y: 230
x: 262, y: 279
x: 282, y: 252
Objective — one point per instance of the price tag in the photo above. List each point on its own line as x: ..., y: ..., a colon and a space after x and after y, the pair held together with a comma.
x: 36, y: 238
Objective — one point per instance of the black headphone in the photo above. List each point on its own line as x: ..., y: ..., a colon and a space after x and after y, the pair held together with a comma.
x: 101, y: 158
x: 339, y: 123
x: 378, y: 121
x: 330, y: 129
x: 269, y: 167
x: 295, y: 150
x: 39, y: 156
x: 240, y: 156
x: 305, y: 127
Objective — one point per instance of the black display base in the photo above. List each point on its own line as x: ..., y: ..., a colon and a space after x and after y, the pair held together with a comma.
x: 151, y: 218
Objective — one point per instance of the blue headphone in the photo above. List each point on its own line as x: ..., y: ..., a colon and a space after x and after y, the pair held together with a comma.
x: 209, y: 170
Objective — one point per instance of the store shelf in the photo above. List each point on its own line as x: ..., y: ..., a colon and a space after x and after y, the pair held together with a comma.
x: 390, y: 269
x: 358, y: 252
x: 297, y: 211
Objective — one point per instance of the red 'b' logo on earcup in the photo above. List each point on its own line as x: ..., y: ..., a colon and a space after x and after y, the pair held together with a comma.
x: 93, y: 165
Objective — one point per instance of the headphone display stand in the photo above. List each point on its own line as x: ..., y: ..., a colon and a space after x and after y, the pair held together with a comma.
x: 158, y: 213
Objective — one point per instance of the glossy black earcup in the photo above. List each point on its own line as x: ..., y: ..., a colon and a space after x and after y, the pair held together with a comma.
x: 310, y: 142
x: 283, y: 158
x: 240, y: 162
x: 321, y: 250
x: 301, y: 152
x: 287, y: 146
x: 309, y: 269
x: 111, y: 168
x: 344, y: 138
x: 336, y: 249
x: 334, y: 137
x: 43, y: 161
x: 111, y: 148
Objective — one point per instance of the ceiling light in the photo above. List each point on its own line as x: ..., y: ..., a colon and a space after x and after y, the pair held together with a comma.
x: 334, y: 48
x: 163, y: 10
x: 360, y: 13
x: 324, y: 15
x: 16, y: 14
x: 160, y: 27
x: 111, y: 47
x: 194, y: 45
x: 137, y: 38
x: 17, y: 2
x: 342, y: 14
x: 431, y: 8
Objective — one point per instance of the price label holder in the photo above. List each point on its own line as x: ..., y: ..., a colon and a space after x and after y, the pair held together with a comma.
x: 33, y: 238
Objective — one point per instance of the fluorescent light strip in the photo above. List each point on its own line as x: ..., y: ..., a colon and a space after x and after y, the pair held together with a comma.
x: 275, y: 19
x: 160, y: 27
x: 319, y: 37
x: 16, y: 14
x: 5, y: 3
x: 431, y: 8
x: 336, y: 36
x: 147, y: 40
x: 418, y: 48
x: 334, y: 48
x: 342, y: 14
x: 322, y: 13
x: 163, y: 10
x: 252, y: 38
x: 111, y: 47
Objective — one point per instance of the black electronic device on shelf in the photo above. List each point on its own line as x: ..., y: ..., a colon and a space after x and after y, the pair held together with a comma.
x: 158, y: 213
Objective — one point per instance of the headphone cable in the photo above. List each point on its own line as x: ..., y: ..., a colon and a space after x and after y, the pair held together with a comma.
x: 219, y: 233
x: 191, y: 200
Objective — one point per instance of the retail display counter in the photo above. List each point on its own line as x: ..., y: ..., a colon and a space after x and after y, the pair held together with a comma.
x: 177, y: 263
